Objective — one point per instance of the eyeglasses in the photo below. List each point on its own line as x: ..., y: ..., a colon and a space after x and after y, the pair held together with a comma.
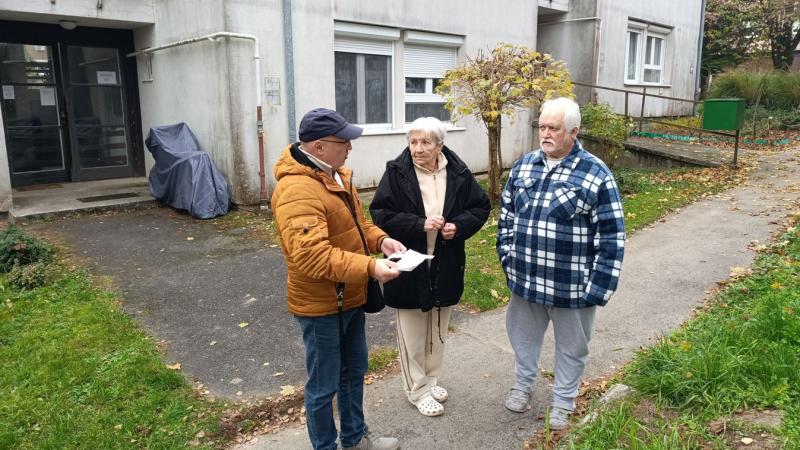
x: 335, y: 142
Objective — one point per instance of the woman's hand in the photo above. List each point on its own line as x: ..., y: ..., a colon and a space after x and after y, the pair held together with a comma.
x: 433, y: 223
x: 449, y: 231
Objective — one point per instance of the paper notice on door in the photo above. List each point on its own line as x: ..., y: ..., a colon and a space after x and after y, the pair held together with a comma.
x: 47, y: 96
x: 8, y: 92
x: 106, y: 77
x: 408, y: 260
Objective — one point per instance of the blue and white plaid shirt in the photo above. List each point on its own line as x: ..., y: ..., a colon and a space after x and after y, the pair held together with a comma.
x: 561, y: 233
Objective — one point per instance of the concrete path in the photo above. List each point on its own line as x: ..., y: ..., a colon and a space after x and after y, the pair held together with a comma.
x: 667, y: 271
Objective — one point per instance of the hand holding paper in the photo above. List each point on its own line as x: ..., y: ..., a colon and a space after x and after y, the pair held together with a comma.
x: 408, y: 260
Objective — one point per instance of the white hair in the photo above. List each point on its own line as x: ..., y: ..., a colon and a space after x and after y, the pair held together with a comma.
x: 571, y: 110
x: 429, y: 125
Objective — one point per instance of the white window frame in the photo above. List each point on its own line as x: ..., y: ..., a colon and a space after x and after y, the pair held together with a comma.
x: 368, y: 40
x: 645, y: 32
x: 428, y: 73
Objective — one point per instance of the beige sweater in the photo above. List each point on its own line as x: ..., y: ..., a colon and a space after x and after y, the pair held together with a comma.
x: 432, y: 186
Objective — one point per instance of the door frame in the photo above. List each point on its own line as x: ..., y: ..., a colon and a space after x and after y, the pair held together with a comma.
x: 57, y: 37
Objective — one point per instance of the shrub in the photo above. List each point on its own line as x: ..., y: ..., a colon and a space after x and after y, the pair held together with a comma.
x: 29, y: 276
x: 18, y: 248
x: 773, y: 90
x: 601, y: 122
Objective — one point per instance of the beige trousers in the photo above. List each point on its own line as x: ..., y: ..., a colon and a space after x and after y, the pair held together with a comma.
x: 421, y: 337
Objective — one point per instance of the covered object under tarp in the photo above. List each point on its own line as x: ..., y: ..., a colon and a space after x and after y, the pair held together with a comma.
x: 184, y: 176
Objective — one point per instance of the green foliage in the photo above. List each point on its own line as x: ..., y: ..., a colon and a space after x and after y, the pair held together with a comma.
x: 601, y: 122
x: 772, y: 98
x: 381, y: 358
x: 78, y: 373
x: 29, y: 276
x: 19, y: 248
x: 685, y: 121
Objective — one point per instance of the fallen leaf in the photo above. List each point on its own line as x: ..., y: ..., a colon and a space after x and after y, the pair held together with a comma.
x: 238, y: 393
x: 236, y: 381
x: 189, y: 238
x: 118, y: 426
x: 176, y: 366
x: 494, y: 293
x: 277, y: 374
x: 243, y: 325
x: 212, y: 343
x: 287, y: 390
x: 747, y: 441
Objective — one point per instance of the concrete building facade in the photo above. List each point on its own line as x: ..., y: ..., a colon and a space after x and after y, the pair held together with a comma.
x: 630, y: 45
x: 105, y: 79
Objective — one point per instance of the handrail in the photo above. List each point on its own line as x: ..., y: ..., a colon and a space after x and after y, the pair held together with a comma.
x: 636, y: 92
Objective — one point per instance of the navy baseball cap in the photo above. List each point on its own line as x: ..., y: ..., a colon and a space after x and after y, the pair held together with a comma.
x: 321, y: 122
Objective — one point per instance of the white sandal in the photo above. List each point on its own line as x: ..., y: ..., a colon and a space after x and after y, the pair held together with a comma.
x: 427, y: 406
x: 439, y: 394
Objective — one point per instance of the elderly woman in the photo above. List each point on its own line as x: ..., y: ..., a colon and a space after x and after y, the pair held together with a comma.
x: 429, y: 200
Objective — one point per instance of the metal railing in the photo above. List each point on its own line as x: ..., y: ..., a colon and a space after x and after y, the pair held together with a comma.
x: 641, y: 118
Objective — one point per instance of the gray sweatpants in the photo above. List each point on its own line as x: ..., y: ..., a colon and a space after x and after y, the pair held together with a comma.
x: 526, y: 323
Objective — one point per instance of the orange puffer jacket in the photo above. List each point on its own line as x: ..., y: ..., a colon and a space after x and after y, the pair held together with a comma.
x: 319, y: 237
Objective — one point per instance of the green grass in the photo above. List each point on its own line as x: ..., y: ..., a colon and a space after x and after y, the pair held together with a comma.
x: 381, y: 358
x: 648, y: 195
x: 78, y: 373
x: 742, y: 352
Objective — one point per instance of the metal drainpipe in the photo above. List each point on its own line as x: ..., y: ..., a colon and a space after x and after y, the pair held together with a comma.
x: 262, y: 194
x: 288, y: 46
x: 699, y: 55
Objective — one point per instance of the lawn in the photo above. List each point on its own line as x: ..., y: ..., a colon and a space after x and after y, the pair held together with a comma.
x: 648, y: 195
x: 78, y: 373
x: 737, y: 358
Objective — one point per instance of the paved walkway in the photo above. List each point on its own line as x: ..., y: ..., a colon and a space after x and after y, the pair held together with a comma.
x: 667, y: 271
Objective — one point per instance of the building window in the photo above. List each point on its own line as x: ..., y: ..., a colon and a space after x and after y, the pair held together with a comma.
x: 423, y: 69
x: 645, y: 54
x: 363, y: 71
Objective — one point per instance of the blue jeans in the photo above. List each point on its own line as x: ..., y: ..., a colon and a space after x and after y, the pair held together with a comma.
x: 329, y: 375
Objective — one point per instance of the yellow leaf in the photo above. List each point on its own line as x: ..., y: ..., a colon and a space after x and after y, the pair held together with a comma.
x: 494, y: 293
x: 776, y: 285
x: 287, y: 390
x: 176, y: 366
x: 243, y: 325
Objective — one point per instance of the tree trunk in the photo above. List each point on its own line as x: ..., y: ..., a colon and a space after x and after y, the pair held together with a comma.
x: 499, y: 152
x: 493, y: 131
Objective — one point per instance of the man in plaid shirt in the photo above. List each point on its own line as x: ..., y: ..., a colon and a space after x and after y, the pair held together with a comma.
x: 560, y: 239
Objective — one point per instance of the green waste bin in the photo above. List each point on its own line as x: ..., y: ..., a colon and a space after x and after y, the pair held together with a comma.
x: 723, y: 114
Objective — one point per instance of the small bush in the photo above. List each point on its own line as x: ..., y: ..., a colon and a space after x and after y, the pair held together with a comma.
x: 601, y: 122
x: 29, y: 276
x: 773, y: 90
x: 686, y: 121
x: 18, y: 248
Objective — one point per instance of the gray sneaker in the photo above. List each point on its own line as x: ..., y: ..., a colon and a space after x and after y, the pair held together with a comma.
x: 518, y: 401
x: 559, y: 418
x: 376, y: 443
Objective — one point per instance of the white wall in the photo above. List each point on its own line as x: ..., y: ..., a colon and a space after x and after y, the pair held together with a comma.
x: 681, y: 53
x: 5, y: 175
x: 113, y: 14
x: 482, y: 24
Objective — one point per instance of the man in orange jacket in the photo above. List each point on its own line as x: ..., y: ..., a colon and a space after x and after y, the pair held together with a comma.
x: 327, y: 241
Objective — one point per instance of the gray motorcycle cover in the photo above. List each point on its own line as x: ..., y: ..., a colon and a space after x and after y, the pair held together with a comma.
x: 184, y: 176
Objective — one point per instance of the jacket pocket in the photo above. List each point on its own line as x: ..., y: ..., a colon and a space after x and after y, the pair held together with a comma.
x: 523, y: 193
x: 564, y: 203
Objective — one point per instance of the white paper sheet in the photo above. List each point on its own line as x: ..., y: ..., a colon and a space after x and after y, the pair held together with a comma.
x: 106, y: 77
x: 408, y: 260
x: 47, y: 96
x: 8, y: 92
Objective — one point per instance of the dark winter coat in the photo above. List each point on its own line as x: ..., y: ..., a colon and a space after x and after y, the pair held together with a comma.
x: 398, y: 210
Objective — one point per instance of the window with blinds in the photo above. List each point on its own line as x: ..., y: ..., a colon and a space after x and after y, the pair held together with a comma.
x: 363, y: 72
x: 423, y: 68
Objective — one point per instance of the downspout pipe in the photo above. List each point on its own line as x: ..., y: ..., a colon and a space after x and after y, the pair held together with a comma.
x: 698, y: 74
x: 262, y: 194
x: 288, y: 48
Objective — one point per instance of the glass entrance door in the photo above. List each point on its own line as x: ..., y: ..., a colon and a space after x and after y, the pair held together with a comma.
x: 97, y: 113
x: 33, y: 120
